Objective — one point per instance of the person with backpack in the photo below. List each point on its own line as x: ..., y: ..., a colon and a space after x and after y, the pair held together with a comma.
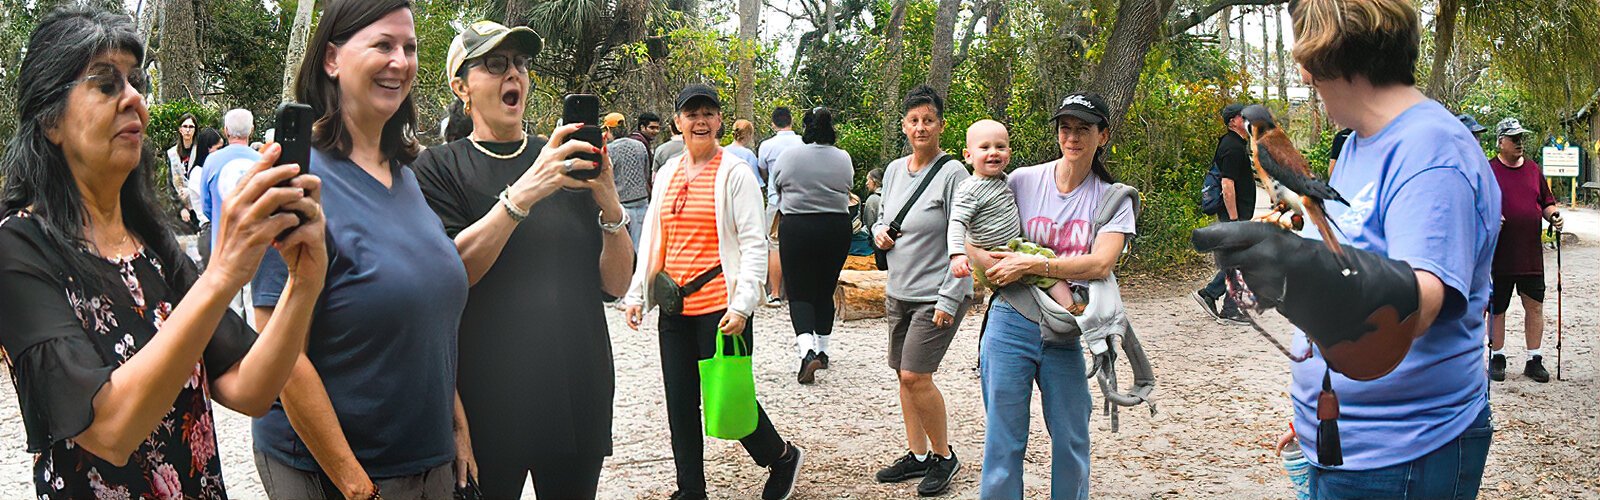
x: 1232, y: 181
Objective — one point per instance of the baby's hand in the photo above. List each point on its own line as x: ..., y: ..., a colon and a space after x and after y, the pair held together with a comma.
x: 959, y: 267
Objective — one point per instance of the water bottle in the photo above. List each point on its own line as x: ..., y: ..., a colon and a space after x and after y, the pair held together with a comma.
x: 1299, y: 469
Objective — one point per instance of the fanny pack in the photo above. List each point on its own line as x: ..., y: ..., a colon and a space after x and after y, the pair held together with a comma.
x: 669, y: 296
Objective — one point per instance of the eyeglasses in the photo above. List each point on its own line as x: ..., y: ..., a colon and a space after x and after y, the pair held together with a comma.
x: 683, y: 198
x: 110, y: 81
x: 497, y: 64
x: 186, y: 126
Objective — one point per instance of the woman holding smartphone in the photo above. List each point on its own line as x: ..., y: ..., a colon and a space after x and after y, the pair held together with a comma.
x: 541, y: 249
x: 372, y: 405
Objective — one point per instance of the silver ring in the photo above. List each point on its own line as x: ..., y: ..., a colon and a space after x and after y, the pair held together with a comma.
x: 566, y: 166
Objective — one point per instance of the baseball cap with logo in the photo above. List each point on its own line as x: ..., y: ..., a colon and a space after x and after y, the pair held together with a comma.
x: 483, y: 37
x: 1510, y: 126
x: 1086, y: 106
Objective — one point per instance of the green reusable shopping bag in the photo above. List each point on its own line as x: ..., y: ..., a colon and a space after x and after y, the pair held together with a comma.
x: 728, y: 390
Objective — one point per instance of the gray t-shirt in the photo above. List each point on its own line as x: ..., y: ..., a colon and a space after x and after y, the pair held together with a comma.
x: 667, y: 151
x: 813, y: 179
x: 919, y: 268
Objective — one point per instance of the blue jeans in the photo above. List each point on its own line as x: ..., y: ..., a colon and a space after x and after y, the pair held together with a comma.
x: 1452, y: 471
x: 1012, y: 359
x: 636, y: 211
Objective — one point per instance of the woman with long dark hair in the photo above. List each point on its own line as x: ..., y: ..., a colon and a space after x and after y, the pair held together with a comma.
x: 812, y: 182
x: 705, y: 226
x: 1057, y: 202
x: 541, y: 249
x: 116, y: 344
x: 180, y: 157
x: 372, y: 405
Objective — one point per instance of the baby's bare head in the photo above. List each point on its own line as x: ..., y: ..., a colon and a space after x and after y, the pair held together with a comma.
x: 988, y: 148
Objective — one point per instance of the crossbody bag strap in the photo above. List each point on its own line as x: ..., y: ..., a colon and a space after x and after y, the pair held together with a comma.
x: 700, y: 281
x: 905, y: 209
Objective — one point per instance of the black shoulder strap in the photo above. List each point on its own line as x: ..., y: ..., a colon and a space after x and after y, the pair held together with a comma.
x: 700, y: 281
x: 933, y: 171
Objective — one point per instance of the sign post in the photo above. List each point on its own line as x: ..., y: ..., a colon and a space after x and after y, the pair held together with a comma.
x: 1562, y: 162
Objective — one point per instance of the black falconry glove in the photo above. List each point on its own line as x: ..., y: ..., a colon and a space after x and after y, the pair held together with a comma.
x: 1360, y: 310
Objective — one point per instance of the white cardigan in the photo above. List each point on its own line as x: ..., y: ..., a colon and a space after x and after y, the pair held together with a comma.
x: 741, y: 236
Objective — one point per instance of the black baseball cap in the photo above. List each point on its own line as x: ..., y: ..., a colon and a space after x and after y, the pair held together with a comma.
x: 1086, y: 106
x: 1231, y: 110
x: 696, y: 91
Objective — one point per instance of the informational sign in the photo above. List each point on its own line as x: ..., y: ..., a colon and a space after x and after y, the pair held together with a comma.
x: 1561, y: 162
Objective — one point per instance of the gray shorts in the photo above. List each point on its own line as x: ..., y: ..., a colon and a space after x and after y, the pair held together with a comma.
x: 915, y: 345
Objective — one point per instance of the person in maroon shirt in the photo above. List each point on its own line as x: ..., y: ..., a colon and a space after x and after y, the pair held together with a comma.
x: 1519, y: 256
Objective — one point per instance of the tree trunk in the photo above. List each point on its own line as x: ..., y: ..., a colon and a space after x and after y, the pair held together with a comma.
x: 827, y: 20
x: 1224, y: 39
x: 890, y: 93
x: 749, y: 24
x: 1000, y: 87
x: 1283, y: 71
x: 180, y: 54
x: 1117, y: 76
x: 1316, y: 115
x: 1244, y: 53
x: 1444, y: 26
x: 944, y: 32
x: 298, y: 36
x: 1266, y: 58
x: 516, y: 12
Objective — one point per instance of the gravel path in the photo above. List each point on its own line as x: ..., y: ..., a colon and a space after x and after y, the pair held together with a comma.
x: 1220, y: 391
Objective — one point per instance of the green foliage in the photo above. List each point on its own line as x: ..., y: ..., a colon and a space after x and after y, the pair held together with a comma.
x: 244, y: 47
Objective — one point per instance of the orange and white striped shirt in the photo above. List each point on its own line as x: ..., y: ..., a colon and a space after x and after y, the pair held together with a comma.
x: 689, y: 227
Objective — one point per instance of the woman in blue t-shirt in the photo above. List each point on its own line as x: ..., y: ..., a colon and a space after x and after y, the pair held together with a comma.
x: 372, y: 405
x: 1418, y: 236
x: 1056, y: 202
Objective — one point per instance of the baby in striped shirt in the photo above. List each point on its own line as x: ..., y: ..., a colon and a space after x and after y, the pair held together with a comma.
x: 985, y: 212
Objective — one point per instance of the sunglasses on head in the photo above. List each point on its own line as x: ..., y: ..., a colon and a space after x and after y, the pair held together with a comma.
x: 110, y: 81
x: 497, y: 64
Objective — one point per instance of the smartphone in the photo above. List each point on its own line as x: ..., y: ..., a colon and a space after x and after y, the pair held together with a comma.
x: 585, y: 109
x: 293, y: 134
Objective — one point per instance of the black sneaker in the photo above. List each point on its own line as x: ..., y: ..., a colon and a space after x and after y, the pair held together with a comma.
x: 1535, y: 370
x: 906, y: 467
x: 941, y: 472
x: 1208, y: 303
x: 687, y: 495
x: 822, y: 357
x: 1497, y: 368
x: 808, y: 368
x: 1233, y: 317
x: 780, y: 481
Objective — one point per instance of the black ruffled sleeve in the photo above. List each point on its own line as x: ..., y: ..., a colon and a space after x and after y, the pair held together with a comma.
x: 56, y: 367
x: 229, y: 344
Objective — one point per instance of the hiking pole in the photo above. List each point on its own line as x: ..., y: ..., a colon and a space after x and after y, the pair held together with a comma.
x: 1558, y: 301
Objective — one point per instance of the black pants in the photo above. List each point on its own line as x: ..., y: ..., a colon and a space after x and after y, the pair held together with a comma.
x: 814, y: 250
x: 555, y: 475
x: 685, y: 340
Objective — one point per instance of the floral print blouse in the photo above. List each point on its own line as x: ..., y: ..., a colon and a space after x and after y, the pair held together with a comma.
x: 61, y: 341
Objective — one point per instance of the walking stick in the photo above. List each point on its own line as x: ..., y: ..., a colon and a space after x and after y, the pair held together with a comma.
x: 1558, y: 303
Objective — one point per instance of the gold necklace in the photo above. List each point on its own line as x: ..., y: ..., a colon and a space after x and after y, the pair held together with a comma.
x: 512, y: 156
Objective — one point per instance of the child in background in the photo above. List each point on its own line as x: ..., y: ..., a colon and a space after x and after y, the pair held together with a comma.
x: 985, y: 211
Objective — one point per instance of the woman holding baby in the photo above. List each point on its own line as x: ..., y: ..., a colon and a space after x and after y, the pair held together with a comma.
x: 1056, y: 204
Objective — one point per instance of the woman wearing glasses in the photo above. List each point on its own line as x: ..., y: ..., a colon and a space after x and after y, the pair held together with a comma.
x: 542, y: 249
x: 116, y: 345
x: 705, y: 227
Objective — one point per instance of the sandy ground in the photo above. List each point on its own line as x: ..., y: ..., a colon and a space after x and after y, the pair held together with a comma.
x: 1220, y: 390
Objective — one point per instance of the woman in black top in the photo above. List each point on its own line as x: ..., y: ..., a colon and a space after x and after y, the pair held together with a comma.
x: 535, y: 371
x: 115, y: 345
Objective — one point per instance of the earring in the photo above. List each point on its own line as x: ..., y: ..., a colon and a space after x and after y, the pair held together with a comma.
x: 467, y: 107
